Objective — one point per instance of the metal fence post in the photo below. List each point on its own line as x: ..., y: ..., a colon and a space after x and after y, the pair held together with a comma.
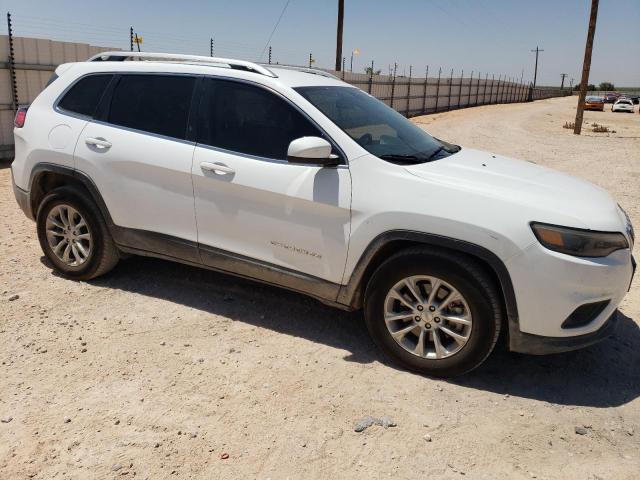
x: 438, y: 89
x: 371, y: 78
x: 460, y: 88
x: 269, y: 54
x: 344, y: 59
x: 12, y: 66
x: 409, y: 91
x: 477, y: 88
x: 393, y: 83
x: 450, y: 88
x: 424, y: 94
x: 131, y: 39
x: 469, y: 92
x: 484, y: 89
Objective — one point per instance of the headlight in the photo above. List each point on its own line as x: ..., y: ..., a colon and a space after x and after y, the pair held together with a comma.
x: 578, y: 242
x: 630, y: 231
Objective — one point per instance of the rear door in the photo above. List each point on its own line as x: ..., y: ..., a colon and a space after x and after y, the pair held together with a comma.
x: 250, y: 201
x: 137, y: 154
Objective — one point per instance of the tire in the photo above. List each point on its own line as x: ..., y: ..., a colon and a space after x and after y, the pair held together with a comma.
x: 480, y: 299
x: 100, y: 252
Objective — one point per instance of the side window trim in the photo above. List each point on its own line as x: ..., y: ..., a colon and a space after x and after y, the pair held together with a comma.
x: 102, y: 112
x: 56, y: 104
x: 196, y: 118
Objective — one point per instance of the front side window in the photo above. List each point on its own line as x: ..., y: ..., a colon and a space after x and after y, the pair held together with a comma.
x: 157, y: 104
x: 247, y: 119
x: 378, y: 128
x: 84, y: 96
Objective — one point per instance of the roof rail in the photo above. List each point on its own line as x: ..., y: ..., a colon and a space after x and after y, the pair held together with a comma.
x: 119, y: 56
x: 314, y: 71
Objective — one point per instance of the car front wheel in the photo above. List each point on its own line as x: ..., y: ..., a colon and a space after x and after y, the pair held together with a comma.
x: 433, y: 312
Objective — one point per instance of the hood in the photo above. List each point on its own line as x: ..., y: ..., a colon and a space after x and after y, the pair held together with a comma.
x: 554, y: 195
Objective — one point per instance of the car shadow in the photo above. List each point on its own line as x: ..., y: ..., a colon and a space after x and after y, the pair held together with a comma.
x: 603, y: 375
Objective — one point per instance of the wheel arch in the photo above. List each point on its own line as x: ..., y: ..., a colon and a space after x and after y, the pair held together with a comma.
x: 47, y: 176
x: 391, y: 242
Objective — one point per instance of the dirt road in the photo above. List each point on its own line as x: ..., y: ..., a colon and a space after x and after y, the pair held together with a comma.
x: 165, y: 371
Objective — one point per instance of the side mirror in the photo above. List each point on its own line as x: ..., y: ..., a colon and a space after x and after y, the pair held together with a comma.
x: 311, y: 151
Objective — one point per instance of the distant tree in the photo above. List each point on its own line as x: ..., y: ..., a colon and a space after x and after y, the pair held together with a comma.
x: 367, y: 70
x: 591, y: 87
x: 607, y: 86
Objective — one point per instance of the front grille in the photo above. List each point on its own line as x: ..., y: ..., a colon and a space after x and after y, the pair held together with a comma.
x: 584, y: 314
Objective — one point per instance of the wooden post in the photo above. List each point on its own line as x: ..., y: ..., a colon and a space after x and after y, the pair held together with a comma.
x: 339, y: 35
x: 586, y: 67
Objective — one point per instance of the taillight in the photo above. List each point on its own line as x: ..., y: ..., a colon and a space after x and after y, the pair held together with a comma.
x: 21, y: 117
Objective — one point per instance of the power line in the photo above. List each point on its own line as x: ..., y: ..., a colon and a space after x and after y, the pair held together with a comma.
x: 274, y: 28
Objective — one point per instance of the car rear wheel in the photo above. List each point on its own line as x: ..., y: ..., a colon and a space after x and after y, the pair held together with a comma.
x: 74, y: 236
x: 433, y: 312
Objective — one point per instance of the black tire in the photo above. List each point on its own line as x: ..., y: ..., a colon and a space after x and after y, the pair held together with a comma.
x: 104, y: 254
x: 460, y: 272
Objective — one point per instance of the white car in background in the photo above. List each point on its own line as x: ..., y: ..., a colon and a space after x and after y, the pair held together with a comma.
x: 291, y: 177
x: 623, y: 105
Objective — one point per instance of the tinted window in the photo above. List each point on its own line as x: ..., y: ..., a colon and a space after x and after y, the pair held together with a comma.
x: 153, y: 103
x: 247, y: 119
x: 85, y: 95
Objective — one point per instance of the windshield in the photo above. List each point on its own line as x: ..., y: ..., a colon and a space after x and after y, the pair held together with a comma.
x: 594, y: 99
x: 376, y: 127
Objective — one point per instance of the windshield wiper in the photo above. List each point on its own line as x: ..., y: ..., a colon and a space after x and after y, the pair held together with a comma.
x: 401, y: 158
x: 435, y: 152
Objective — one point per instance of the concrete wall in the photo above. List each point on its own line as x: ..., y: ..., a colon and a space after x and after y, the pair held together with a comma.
x: 35, y: 60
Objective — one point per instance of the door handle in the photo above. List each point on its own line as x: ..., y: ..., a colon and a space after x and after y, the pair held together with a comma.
x: 98, y: 142
x: 217, y: 168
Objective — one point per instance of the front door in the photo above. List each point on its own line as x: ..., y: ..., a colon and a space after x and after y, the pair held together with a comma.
x: 252, y: 206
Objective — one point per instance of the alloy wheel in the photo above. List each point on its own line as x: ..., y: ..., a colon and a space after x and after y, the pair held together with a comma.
x: 427, y: 317
x: 68, y: 235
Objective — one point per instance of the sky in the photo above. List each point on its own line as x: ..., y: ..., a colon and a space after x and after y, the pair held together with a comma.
x: 488, y: 36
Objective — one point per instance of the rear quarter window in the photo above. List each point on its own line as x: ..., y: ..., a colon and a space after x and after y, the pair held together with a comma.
x: 83, y: 97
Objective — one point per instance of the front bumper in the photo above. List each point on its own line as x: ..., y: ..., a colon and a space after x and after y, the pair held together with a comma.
x: 549, y: 287
x: 22, y: 197
x: 541, y: 345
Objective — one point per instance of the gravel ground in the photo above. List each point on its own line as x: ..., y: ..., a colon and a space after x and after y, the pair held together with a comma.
x: 165, y: 371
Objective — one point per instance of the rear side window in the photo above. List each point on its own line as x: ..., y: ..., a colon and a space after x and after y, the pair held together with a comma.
x: 84, y: 96
x: 248, y: 119
x: 153, y: 103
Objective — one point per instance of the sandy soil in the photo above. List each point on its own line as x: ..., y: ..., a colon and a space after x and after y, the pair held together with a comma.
x: 165, y: 371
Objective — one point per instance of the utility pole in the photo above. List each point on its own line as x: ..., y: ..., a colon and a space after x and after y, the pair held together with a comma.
x: 563, y: 76
x: 535, y: 71
x: 339, y: 34
x: 571, y: 84
x: 586, y: 66
x: 211, y: 48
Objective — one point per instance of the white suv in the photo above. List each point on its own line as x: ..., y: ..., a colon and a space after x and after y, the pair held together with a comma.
x: 292, y: 177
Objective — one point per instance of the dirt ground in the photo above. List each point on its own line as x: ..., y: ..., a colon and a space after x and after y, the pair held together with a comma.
x: 165, y: 371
